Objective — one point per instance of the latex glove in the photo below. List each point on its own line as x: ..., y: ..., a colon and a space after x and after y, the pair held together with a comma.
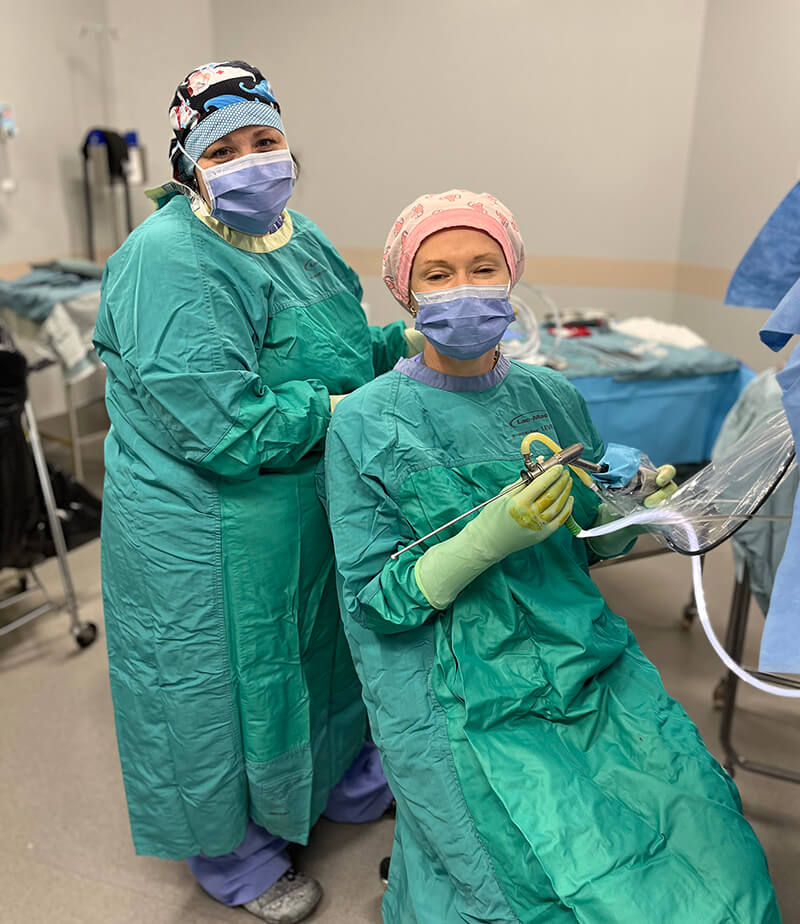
x: 518, y: 520
x: 415, y: 340
x: 613, y: 544
x: 335, y: 399
x: 664, y: 486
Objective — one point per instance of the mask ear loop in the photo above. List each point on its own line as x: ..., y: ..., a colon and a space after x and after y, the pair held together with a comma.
x: 187, y: 154
x: 193, y: 193
x: 497, y: 351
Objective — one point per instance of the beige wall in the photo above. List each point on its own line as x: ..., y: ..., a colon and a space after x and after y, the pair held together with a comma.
x: 51, y: 76
x: 640, y: 142
x: 744, y: 156
x: 158, y: 46
x: 577, y: 114
x: 745, y: 150
x: 62, y: 84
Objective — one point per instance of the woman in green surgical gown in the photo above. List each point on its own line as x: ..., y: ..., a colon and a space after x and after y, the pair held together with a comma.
x: 228, y: 326
x: 541, y: 771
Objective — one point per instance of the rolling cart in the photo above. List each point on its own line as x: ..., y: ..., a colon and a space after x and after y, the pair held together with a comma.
x: 18, y: 424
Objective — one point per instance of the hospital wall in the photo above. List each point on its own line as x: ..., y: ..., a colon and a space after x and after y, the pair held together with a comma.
x: 52, y: 76
x: 745, y: 156
x: 640, y: 142
x: 578, y: 115
x: 72, y: 66
x: 153, y: 53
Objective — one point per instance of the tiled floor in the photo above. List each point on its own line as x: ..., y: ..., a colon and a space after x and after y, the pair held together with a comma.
x: 65, y: 849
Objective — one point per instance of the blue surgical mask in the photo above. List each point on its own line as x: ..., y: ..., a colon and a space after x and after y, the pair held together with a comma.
x: 464, y: 322
x: 250, y: 192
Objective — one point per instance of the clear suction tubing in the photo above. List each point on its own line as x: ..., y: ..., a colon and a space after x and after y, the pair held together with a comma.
x: 709, y: 508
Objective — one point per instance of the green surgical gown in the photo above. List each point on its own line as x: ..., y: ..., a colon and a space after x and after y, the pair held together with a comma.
x: 541, y: 771
x: 234, y: 691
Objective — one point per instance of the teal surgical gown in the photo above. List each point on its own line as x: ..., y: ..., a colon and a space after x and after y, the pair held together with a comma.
x: 541, y: 771
x: 234, y: 692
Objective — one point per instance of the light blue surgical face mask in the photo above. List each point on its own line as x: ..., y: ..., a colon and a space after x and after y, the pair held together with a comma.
x: 250, y: 192
x: 466, y: 321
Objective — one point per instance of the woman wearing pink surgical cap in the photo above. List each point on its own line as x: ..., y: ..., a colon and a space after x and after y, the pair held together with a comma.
x: 441, y: 212
x: 541, y: 771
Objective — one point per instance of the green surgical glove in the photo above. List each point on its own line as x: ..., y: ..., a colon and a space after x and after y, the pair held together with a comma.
x: 520, y: 519
x: 415, y: 340
x: 660, y: 484
x: 613, y: 544
x: 664, y: 486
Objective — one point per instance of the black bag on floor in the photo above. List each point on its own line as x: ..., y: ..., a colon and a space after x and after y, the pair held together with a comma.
x: 25, y: 536
x: 78, y: 510
x: 21, y: 506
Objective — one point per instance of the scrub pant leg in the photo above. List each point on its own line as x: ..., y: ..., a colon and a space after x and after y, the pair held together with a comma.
x: 261, y: 859
x: 246, y: 872
x: 362, y: 794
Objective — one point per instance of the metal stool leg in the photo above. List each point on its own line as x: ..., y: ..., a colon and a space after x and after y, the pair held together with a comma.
x: 734, y: 645
x: 74, y: 433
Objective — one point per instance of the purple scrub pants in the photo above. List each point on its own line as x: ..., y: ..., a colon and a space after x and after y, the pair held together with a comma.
x: 261, y: 859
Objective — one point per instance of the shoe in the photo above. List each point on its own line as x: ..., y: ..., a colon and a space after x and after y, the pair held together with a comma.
x: 383, y: 870
x: 292, y: 899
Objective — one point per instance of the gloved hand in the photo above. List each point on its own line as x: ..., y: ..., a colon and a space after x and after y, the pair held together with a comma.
x: 613, y: 544
x: 335, y: 399
x: 415, y: 340
x: 520, y: 519
x: 526, y: 516
x: 664, y: 486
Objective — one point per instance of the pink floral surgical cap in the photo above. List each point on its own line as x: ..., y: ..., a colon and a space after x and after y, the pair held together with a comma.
x: 457, y: 208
